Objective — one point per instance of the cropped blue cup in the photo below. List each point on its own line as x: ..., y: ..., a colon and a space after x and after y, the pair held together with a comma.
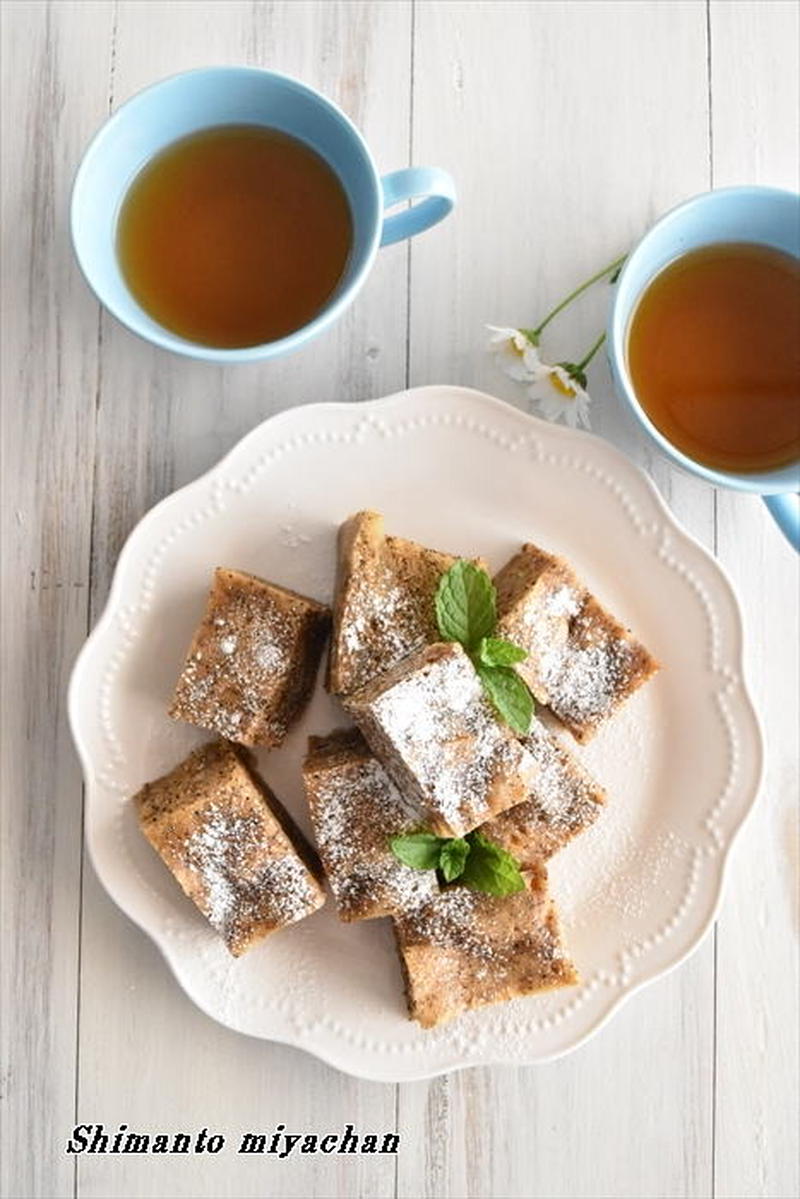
x: 759, y: 215
x: 195, y: 100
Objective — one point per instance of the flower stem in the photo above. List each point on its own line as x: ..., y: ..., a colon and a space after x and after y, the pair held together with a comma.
x: 574, y: 294
x: 588, y: 357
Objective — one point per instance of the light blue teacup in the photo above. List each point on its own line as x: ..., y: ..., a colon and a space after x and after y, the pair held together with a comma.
x: 195, y: 100
x: 762, y: 215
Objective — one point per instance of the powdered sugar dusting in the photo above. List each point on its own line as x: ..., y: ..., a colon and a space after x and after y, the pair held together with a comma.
x: 583, y: 672
x: 384, y: 622
x: 385, y: 603
x: 449, y: 923
x: 563, y: 801
x: 565, y: 794
x: 268, y: 656
x: 291, y: 892
x: 251, y: 660
x: 444, y: 742
x: 561, y: 602
x: 608, y: 877
x: 355, y: 809
x: 581, y: 662
x: 239, y: 888
x: 488, y: 948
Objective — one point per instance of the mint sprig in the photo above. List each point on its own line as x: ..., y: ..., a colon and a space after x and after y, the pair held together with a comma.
x: 466, y: 604
x: 490, y: 868
x: 474, y: 860
x: 453, y: 858
x: 466, y: 612
x: 421, y: 851
x: 494, y: 651
x: 508, y: 694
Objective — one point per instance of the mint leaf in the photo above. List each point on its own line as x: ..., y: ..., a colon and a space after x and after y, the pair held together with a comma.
x: 452, y: 857
x: 419, y: 850
x: 476, y: 861
x: 495, y: 651
x: 465, y: 604
x: 489, y: 868
x: 508, y: 694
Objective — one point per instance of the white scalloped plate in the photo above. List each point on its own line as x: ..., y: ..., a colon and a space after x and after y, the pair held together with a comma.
x: 459, y: 470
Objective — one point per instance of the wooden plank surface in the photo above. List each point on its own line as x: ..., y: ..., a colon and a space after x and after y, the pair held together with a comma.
x: 565, y: 200
x: 185, y: 416
x: 569, y: 127
x: 58, y: 59
x: 756, y: 135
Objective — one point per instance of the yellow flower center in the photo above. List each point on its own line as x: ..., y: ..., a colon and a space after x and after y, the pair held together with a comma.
x: 562, y: 386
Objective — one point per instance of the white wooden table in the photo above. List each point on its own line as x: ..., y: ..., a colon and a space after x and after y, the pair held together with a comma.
x: 569, y: 127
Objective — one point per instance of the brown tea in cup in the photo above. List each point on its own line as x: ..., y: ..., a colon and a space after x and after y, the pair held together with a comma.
x: 713, y: 352
x: 234, y: 236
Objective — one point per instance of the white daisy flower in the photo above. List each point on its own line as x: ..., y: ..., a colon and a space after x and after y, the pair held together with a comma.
x: 559, y: 396
x: 514, y: 353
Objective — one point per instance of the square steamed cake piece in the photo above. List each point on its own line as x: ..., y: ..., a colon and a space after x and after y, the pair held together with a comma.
x: 431, y: 725
x: 581, y: 662
x: 230, y: 845
x: 563, y: 801
x: 384, y: 608
x: 465, y: 949
x: 355, y: 808
x: 253, y: 659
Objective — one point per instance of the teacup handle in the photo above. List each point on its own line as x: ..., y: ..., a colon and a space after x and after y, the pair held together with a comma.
x: 438, y: 188
x: 785, y: 511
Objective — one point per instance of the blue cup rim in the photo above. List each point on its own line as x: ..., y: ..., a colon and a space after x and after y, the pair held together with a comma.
x: 159, y: 335
x: 773, y: 482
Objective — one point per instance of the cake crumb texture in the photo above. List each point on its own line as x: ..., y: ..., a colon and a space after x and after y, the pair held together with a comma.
x: 251, y: 666
x: 582, y: 663
x: 230, y: 845
x: 384, y: 607
x: 431, y: 725
x: 563, y: 801
x: 355, y: 809
x: 465, y: 949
